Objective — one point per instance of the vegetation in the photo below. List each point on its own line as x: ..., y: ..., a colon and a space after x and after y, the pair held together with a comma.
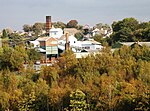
x: 130, y: 30
x: 116, y: 81
x: 72, y: 24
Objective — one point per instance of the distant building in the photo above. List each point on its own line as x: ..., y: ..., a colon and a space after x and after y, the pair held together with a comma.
x: 56, y: 32
x: 97, y: 31
x: 90, y: 45
x: 48, y: 46
x: 72, y: 40
x: 82, y: 46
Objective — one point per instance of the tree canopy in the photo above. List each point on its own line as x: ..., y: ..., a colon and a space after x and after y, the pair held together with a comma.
x: 116, y: 81
x: 130, y: 30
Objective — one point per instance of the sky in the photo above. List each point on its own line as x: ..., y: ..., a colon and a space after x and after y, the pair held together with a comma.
x: 15, y: 13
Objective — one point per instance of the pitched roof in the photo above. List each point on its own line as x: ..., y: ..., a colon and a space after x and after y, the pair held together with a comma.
x: 46, y: 38
x: 140, y: 43
x: 71, y: 31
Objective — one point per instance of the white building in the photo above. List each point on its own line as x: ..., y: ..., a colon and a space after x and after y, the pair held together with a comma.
x: 88, y: 45
x: 56, y: 32
x: 97, y: 31
x: 35, y: 44
x: 72, y: 40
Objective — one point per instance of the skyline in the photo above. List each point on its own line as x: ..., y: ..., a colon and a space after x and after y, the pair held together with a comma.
x: 15, y: 13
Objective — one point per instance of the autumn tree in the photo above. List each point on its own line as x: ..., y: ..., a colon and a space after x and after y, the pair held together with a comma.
x: 72, y: 24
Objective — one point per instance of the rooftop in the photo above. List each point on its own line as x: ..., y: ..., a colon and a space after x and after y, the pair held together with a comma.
x: 46, y: 38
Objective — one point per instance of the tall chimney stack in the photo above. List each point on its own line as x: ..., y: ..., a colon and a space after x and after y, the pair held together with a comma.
x: 48, y: 24
x: 67, y: 45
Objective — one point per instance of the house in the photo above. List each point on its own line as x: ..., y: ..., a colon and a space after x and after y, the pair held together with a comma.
x: 48, y: 46
x: 90, y: 45
x: 101, y: 31
x: 80, y: 46
x: 72, y: 40
x: 87, y: 32
x: 56, y: 32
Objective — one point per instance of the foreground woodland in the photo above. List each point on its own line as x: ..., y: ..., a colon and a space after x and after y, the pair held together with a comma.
x: 118, y: 81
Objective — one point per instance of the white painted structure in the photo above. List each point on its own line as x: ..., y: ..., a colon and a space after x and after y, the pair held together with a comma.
x: 56, y: 32
x: 35, y: 43
x: 79, y: 46
x: 72, y: 40
x: 88, y: 45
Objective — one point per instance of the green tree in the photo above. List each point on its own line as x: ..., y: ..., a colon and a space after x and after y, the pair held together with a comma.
x: 123, y: 30
x: 38, y: 28
x: 59, y: 25
x: 18, y: 57
x: 4, y: 33
x: 78, y: 101
x: 79, y: 35
x: 16, y: 39
x: 33, y: 55
x: 5, y: 57
x: 27, y: 28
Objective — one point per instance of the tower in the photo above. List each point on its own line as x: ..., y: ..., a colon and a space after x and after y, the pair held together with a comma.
x: 48, y: 25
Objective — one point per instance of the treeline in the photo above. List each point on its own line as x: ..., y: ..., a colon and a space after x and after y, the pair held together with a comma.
x: 14, y: 58
x: 130, y: 30
x: 116, y: 81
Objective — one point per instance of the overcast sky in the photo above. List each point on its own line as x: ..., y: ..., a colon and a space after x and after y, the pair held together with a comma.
x: 15, y: 13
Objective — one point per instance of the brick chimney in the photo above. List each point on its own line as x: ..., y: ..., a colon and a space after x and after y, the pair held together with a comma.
x: 67, y: 45
x: 48, y: 25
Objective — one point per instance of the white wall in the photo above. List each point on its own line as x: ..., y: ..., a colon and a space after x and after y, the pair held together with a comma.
x: 56, y: 32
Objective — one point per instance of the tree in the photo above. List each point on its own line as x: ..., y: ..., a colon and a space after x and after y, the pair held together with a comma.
x: 79, y: 35
x: 33, y: 55
x: 4, y: 34
x: 77, y: 101
x: 9, y: 31
x: 49, y: 74
x: 27, y: 28
x: 18, y: 58
x: 104, y: 26
x: 59, y: 25
x: 38, y: 28
x: 5, y: 57
x: 130, y: 23
x: 123, y: 31
x: 15, y: 39
x: 72, y: 24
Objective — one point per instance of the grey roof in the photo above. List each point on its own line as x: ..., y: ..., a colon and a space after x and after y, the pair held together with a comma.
x: 140, y: 43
